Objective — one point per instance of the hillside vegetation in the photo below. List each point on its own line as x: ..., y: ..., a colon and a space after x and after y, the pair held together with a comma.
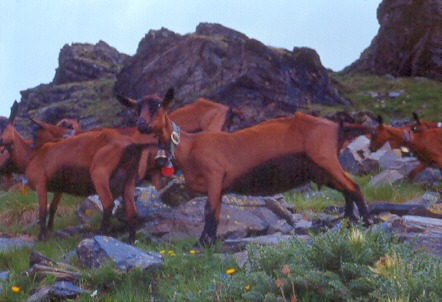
x: 393, y: 98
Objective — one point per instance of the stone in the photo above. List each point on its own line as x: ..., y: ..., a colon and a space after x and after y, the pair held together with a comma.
x: 10, y: 243
x: 40, y: 295
x: 407, y: 43
x: 240, y: 216
x: 59, y: 291
x: 99, y: 250
x: 84, y: 62
x: 281, y: 226
x: 176, y: 192
x: 386, y: 177
x: 230, y: 68
x: 423, y: 209
x: 361, y: 143
x: 147, y: 202
x: 351, y: 162
x: 90, y: 206
x: 3, y: 277
x: 424, y: 232
x: 63, y: 290
x: 376, y: 156
x: 430, y: 176
x: 392, y: 160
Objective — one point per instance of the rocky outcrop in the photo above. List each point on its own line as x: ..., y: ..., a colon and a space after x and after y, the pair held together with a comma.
x: 408, y: 42
x: 213, y: 62
x: 226, y: 66
x: 81, y: 89
x: 85, y: 62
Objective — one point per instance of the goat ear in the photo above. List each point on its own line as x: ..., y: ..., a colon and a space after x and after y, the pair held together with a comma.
x: 380, y: 120
x: 38, y: 123
x: 14, y: 111
x: 416, y: 118
x: 128, y: 102
x: 168, y: 98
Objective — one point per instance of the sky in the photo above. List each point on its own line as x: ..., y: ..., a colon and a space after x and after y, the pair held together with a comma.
x: 32, y: 32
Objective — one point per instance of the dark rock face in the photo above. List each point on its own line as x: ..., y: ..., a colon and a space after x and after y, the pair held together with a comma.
x: 408, y: 42
x: 226, y: 66
x: 85, y: 62
x: 81, y: 89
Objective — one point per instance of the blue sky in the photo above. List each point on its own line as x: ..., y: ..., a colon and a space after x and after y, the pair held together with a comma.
x: 32, y: 32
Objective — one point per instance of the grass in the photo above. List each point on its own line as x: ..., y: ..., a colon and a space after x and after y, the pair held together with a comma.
x: 369, y: 92
x: 317, y: 200
x: 19, y: 212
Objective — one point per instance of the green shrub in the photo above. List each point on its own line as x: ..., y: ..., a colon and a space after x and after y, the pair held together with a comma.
x: 342, y: 264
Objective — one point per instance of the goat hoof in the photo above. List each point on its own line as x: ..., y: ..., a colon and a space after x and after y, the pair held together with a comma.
x: 368, y: 221
x: 131, y: 239
x: 42, y: 237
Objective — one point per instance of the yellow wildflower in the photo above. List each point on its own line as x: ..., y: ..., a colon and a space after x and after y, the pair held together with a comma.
x: 356, y: 236
x: 192, y: 252
x: 162, y: 252
x: 230, y: 271
x: 15, y: 289
x: 247, y: 287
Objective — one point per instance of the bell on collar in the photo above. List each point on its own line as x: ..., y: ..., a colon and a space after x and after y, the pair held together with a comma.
x: 161, y: 157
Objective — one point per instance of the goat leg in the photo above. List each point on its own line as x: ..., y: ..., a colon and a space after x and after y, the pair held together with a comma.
x: 53, y: 209
x: 350, y: 198
x: 416, y: 170
x: 129, y: 203
x: 208, y: 236
x: 43, y: 209
x: 105, y: 221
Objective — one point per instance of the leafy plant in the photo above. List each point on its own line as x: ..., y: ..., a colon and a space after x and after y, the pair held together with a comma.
x: 348, y: 263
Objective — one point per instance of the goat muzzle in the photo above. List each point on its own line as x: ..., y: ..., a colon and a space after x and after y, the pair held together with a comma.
x: 143, y: 126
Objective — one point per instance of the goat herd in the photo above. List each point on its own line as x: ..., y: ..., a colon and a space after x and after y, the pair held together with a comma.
x: 271, y: 157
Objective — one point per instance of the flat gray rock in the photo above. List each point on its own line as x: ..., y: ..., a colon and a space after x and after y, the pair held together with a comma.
x: 101, y: 249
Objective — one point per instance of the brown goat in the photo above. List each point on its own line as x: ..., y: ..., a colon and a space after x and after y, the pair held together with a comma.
x: 102, y: 162
x: 202, y: 115
x: 7, y: 167
x: 271, y: 157
x: 420, y: 125
x: 426, y: 144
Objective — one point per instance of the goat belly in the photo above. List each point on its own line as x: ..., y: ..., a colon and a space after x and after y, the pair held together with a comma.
x: 276, y: 175
x: 73, y: 181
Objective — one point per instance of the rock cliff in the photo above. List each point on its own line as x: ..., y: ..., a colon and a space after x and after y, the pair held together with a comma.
x: 81, y: 88
x: 408, y: 42
x: 226, y: 66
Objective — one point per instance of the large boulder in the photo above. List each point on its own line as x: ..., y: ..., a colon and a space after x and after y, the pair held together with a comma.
x: 84, y: 62
x: 81, y: 89
x: 226, y: 66
x: 408, y: 42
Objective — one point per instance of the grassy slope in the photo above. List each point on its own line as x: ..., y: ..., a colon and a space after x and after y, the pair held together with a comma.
x: 369, y: 92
